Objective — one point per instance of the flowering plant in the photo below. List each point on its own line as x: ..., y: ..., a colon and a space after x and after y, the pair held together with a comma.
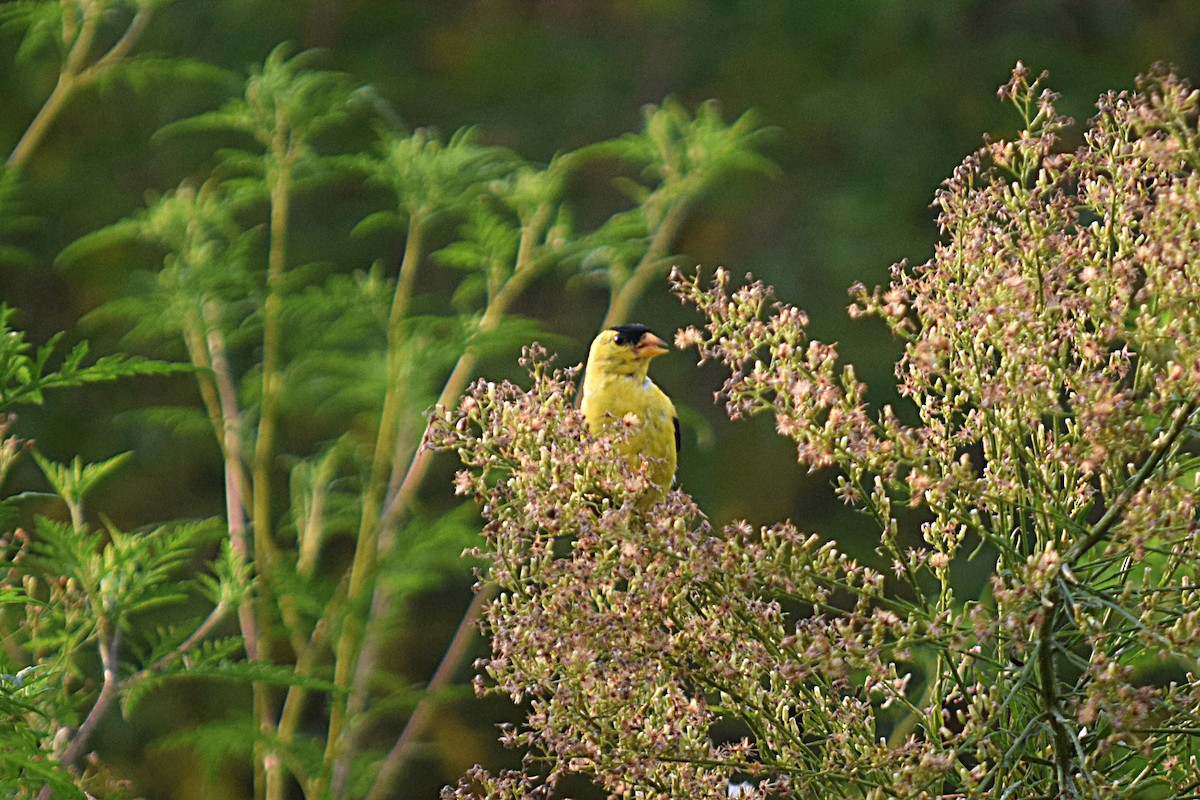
x: 1051, y: 373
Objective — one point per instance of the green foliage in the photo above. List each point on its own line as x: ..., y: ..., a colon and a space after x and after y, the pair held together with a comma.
x: 316, y: 378
x: 38, y: 21
x: 12, y: 219
x: 430, y: 177
x: 22, y: 707
x: 144, y: 73
x: 205, y: 272
x: 214, y: 659
x: 218, y: 744
x: 26, y: 372
x: 433, y: 552
x: 313, y: 380
x: 683, y: 153
x: 72, y: 483
x: 72, y: 591
x: 284, y: 107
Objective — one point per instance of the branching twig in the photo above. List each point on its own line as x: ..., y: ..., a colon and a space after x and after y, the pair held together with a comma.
x: 75, y: 75
x: 1113, y: 513
x: 108, y: 646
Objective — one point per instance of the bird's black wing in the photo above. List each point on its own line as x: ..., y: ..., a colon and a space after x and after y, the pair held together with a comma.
x: 675, y: 421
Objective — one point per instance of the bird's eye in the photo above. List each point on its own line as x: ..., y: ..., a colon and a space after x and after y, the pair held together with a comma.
x: 621, y: 338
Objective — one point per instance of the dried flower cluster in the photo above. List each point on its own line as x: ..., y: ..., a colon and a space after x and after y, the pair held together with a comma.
x: 1052, y: 362
x: 633, y: 632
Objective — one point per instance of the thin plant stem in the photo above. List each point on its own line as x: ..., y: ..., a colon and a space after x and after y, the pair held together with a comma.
x: 235, y: 478
x: 197, y: 344
x: 264, y: 448
x: 526, y: 268
x: 347, y: 655
x: 40, y: 126
x: 625, y: 296
x: 109, y: 646
x: 236, y: 501
x: 293, y: 704
x: 202, y: 630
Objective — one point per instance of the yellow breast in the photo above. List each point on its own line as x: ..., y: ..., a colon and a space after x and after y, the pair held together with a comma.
x: 619, y: 401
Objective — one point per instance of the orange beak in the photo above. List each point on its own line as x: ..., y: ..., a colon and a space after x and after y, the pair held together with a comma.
x: 650, y: 346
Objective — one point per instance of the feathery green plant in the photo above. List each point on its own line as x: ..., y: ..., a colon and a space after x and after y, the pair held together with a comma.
x: 313, y: 380
x: 74, y: 29
x: 72, y: 592
x: 278, y: 348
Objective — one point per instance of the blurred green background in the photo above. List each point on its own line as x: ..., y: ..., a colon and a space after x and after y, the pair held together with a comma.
x: 874, y: 102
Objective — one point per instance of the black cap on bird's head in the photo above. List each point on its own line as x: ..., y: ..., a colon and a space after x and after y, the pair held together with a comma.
x: 643, y: 341
x: 630, y: 334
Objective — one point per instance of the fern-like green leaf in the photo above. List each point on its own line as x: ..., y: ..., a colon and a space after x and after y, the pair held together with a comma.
x: 431, y: 177
x: 25, y: 374
x: 73, y: 482
x: 181, y: 422
x: 144, y: 73
x: 60, y: 550
x: 120, y: 232
x: 260, y: 672
x: 25, y: 767
x: 387, y: 221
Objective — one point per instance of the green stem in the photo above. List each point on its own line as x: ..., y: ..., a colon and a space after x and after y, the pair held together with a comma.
x: 349, y: 676
x: 266, y: 760
x: 206, y: 348
x: 230, y: 433
x: 390, y: 771
x: 527, y: 266
x: 1063, y: 764
x: 235, y: 502
x: 36, y: 132
x: 122, y: 47
x: 625, y: 296
x: 202, y: 630
x: 294, y: 701
x: 455, y: 385
x: 264, y: 447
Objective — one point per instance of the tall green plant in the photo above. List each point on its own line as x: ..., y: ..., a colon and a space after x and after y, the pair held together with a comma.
x: 355, y: 358
x: 84, y: 606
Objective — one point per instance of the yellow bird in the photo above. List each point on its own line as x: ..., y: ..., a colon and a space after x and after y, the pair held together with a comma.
x: 618, y: 393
